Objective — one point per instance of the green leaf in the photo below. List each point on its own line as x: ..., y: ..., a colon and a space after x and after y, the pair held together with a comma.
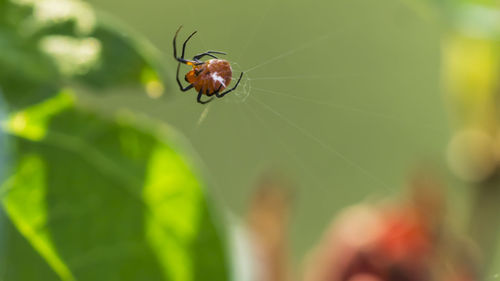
x: 96, y: 199
x: 26, y: 76
x: 46, y: 45
x: 125, y: 59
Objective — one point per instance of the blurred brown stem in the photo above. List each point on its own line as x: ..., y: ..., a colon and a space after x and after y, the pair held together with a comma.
x: 268, y: 223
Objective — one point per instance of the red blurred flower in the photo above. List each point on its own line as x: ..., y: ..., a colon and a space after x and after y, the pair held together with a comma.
x: 397, y: 241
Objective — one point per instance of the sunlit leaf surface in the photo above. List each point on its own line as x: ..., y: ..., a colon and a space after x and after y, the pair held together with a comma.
x: 95, y: 199
x: 47, y: 44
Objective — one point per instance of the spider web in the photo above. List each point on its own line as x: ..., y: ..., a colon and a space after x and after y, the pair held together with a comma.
x: 264, y: 99
x: 301, y: 107
x: 338, y: 94
x: 248, y: 95
x: 343, y: 112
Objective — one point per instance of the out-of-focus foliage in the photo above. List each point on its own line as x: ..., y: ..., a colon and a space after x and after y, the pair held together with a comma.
x: 471, y: 71
x: 471, y: 77
x: 86, y: 197
x: 98, y: 200
x: 471, y: 64
x: 3, y: 146
x: 47, y: 44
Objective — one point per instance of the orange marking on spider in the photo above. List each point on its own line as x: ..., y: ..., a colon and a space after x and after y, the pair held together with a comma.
x: 209, y: 77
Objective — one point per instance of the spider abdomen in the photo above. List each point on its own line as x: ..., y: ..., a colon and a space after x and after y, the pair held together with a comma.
x: 209, y: 78
x: 213, y: 75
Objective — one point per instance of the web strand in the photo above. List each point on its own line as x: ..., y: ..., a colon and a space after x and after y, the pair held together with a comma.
x: 286, y: 148
x: 290, y: 77
x: 289, y: 53
x: 323, y: 144
x: 203, y: 116
x: 254, y: 32
x: 345, y: 107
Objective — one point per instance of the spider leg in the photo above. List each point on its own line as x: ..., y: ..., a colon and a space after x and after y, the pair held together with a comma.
x: 230, y: 90
x: 199, y: 56
x: 208, y: 53
x: 175, y: 38
x: 185, y: 42
x: 181, y: 59
x: 179, y: 81
x: 216, y: 93
x: 216, y: 52
x: 200, y: 93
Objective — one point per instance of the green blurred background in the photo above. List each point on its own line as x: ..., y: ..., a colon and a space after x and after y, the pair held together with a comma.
x: 364, y: 108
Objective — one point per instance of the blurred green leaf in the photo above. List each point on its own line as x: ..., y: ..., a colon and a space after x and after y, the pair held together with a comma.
x: 46, y: 45
x: 124, y: 59
x: 96, y: 199
x: 26, y: 76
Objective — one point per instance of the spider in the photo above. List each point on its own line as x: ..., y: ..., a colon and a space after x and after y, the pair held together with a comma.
x: 209, y: 77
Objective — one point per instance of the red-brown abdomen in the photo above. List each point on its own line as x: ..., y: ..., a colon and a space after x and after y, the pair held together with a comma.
x: 211, y: 75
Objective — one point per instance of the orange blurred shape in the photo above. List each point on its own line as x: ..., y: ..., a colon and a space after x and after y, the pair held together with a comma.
x: 267, y: 221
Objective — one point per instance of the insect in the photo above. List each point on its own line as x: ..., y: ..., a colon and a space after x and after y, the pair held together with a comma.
x: 209, y: 77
